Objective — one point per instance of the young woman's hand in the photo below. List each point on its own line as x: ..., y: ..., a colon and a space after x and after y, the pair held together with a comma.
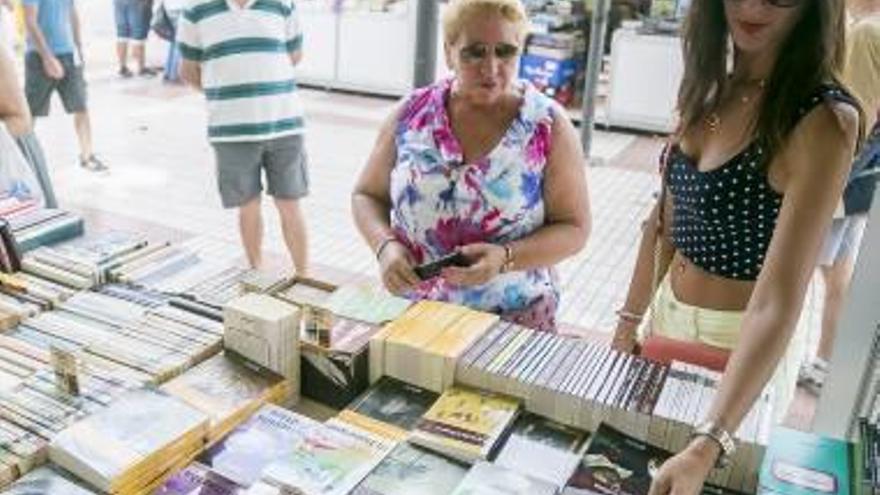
x: 486, y: 262
x: 396, y: 269
x: 685, y: 472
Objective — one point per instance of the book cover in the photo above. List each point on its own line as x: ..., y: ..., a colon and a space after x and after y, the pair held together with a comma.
x: 45, y: 481
x: 410, y: 470
x: 490, y: 479
x: 616, y: 463
x: 466, y: 423
x: 395, y: 402
x: 268, y: 435
x: 105, y: 446
x: 223, y: 385
x: 800, y: 463
x: 331, y: 460
x: 543, y: 448
x: 369, y: 304
x: 198, y: 479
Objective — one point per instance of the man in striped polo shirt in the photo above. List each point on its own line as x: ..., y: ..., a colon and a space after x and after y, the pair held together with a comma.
x: 241, y: 54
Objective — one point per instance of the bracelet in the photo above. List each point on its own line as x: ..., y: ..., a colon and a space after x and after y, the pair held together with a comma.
x: 629, y: 316
x: 508, y: 258
x: 382, y: 245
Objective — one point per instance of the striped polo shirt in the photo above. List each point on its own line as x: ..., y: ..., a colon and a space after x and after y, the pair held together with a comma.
x: 247, y: 75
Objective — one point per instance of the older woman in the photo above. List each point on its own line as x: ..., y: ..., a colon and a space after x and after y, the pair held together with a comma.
x: 482, y: 164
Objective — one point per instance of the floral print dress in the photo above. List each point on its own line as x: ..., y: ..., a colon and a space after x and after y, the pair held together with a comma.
x: 440, y: 203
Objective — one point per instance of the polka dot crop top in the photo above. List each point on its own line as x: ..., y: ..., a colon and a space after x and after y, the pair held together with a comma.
x: 723, y: 219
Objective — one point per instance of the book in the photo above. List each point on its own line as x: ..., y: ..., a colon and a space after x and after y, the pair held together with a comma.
x: 409, y: 470
x: 490, y: 479
x: 115, y: 449
x: 801, y: 463
x: 466, y: 424
x: 395, y: 402
x: 332, y: 460
x: 198, y: 479
x: 228, y: 390
x: 616, y: 463
x: 545, y: 449
x: 369, y: 304
x: 269, y: 435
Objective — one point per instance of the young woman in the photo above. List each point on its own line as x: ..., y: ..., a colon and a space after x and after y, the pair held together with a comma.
x: 483, y: 164
x: 752, y: 180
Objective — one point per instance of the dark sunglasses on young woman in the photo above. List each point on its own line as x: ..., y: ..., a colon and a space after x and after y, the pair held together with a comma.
x: 478, y: 52
x: 782, y: 4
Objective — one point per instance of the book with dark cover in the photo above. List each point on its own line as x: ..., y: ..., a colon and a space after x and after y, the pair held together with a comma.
x: 616, y: 463
x: 395, y: 402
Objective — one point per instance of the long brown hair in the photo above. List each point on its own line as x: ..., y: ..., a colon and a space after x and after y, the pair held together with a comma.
x: 812, y: 54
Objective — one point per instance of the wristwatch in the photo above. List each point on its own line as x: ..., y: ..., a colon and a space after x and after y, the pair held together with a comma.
x: 722, y: 437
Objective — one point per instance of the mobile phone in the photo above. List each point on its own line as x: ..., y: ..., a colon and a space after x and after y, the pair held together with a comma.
x: 431, y: 269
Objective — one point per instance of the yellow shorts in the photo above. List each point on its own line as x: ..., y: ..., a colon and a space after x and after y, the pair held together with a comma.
x: 677, y: 320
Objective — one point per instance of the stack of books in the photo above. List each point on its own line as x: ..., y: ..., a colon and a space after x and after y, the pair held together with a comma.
x: 465, y: 424
x: 86, y: 262
x: 583, y: 384
x: 337, y: 373
x: 368, y: 304
x: 228, y: 390
x: 18, y: 361
x: 409, y: 470
x: 38, y: 405
x: 133, y: 444
x: 22, y: 451
x: 34, y: 226
x: 158, y: 342
x: 178, y: 268
x: 23, y: 295
x: 424, y: 344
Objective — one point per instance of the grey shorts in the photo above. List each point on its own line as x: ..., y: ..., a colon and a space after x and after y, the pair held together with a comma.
x: 38, y: 87
x: 240, y: 169
x: 843, y: 239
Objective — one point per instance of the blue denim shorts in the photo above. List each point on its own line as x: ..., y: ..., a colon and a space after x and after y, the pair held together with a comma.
x: 133, y: 18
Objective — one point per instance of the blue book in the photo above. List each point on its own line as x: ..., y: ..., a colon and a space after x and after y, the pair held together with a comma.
x: 799, y: 463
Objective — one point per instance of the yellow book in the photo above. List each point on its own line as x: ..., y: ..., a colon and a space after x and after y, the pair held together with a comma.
x: 465, y: 424
x: 378, y: 342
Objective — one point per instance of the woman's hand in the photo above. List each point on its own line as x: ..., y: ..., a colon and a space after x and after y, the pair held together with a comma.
x: 486, y: 260
x: 396, y: 268
x: 685, y: 472
x: 625, y: 336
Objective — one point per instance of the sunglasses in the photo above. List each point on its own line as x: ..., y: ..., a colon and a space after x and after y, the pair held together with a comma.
x: 781, y: 4
x: 478, y: 52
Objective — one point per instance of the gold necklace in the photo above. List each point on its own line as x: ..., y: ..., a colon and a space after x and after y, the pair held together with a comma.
x: 713, y: 120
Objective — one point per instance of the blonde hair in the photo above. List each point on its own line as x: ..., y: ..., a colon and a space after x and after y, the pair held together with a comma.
x: 458, y: 12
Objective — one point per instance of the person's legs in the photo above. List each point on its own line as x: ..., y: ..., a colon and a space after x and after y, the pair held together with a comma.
x: 293, y: 226
x: 83, y: 126
x: 250, y: 226
x: 238, y: 179
x: 287, y: 182
x: 142, y: 15
x: 121, y: 11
